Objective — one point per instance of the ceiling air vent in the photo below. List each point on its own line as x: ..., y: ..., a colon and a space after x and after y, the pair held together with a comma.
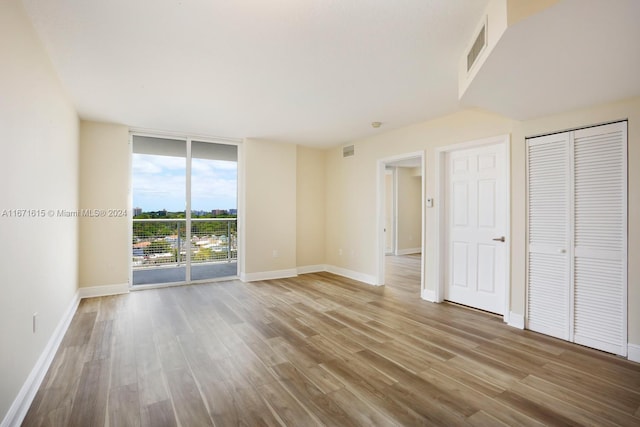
x: 348, y: 151
x: 477, y: 47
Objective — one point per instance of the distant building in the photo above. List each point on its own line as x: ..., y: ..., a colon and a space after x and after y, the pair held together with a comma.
x: 219, y: 212
x: 137, y: 211
x: 233, y: 211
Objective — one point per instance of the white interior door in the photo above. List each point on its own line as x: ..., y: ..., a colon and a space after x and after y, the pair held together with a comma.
x: 476, y: 209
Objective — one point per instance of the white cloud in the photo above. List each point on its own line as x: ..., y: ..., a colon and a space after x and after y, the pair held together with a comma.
x: 159, y: 183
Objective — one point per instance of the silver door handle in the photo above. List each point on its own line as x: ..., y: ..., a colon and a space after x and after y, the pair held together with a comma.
x: 499, y: 239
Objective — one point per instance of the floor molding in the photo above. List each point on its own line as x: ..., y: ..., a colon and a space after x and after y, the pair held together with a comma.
x: 428, y: 295
x: 23, y: 400
x: 355, y: 275
x: 516, y: 320
x: 307, y: 269
x: 409, y: 251
x: 268, y: 275
x: 103, y: 291
x: 633, y: 352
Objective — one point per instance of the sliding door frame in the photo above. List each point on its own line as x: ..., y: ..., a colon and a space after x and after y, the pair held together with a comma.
x: 188, y: 139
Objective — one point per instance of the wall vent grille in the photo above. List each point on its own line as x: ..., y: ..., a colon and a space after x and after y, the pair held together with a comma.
x: 477, y: 47
x: 348, y: 151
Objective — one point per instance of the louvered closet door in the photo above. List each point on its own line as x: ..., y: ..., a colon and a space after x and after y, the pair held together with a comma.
x: 600, y: 236
x: 548, y: 292
x: 577, y: 236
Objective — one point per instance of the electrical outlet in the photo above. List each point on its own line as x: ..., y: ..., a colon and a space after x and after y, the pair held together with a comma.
x: 340, y: 252
x: 35, y: 322
x: 276, y: 254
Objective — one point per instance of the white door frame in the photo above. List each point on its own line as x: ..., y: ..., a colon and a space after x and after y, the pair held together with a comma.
x: 440, y: 214
x: 380, y: 214
x: 393, y: 228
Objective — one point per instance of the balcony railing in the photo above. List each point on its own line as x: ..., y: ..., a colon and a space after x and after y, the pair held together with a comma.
x: 164, y: 242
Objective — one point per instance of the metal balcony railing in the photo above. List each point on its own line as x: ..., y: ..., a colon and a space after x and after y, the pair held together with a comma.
x: 165, y: 242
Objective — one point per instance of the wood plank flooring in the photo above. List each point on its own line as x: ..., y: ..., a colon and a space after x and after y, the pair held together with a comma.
x: 319, y: 350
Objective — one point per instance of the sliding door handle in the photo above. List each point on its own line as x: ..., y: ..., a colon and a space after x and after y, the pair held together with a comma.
x: 499, y: 239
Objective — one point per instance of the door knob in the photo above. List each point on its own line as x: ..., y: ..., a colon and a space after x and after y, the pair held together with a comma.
x: 499, y: 239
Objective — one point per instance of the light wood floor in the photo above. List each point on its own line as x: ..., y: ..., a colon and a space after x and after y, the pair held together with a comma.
x: 319, y: 350
x: 403, y: 273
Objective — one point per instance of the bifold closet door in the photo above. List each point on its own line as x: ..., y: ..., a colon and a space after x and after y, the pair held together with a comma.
x: 577, y: 236
x: 548, y: 292
x: 600, y: 237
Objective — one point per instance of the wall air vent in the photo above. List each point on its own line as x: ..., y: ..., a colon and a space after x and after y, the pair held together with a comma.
x: 348, y: 151
x: 477, y: 47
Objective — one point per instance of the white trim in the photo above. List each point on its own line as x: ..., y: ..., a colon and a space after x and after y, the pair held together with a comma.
x: 378, y: 279
x: 429, y: 295
x: 128, y: 249
x: 306, y: 269
x: 633, y: 352
x: 409, y: 251
x: 440, y: 237
x: 23, y: 400
x: 350, y: 274
x: 269, y: 275
x: 240, y: 216
x: 381, y: 243
x: 516, y: 320
x: 103, y: 291
x: 507, y: 255
x: 394, y: 208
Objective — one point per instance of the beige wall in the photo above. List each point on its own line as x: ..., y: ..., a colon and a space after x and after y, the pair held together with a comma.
x: 409, y: 211
x: 270, y: 174
x: 104, y: 184
x: 310, y: 205
x: 351, y: 189
x: 268, y: 212
x: 351, y: 184
x: 39, y: 171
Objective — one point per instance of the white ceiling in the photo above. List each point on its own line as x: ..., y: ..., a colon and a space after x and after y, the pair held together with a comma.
x: 318, y: 72
x: 315, y: 72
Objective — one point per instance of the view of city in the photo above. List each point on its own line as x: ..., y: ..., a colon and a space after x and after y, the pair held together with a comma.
x: 160, y: 237
x: 163, y: 249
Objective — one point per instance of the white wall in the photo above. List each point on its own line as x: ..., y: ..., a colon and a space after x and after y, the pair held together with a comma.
x: 104, y: 183
x: 39, y: 255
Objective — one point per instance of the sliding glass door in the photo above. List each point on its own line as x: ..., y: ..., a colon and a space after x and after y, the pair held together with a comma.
x: 184, y: 210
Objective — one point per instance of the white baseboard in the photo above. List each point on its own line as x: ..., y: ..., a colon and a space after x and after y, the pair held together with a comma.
x: 269, y: 275
x: 355, y: 275
x: 103, y: 291
x: 408, y: 251
x: 633, y: 352
x: 306, y: 269
x: 23, y: 400
x: 429, y: 295
x: 516, y: 320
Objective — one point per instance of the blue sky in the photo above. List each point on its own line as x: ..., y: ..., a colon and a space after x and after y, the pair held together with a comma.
x: 159, y: 183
